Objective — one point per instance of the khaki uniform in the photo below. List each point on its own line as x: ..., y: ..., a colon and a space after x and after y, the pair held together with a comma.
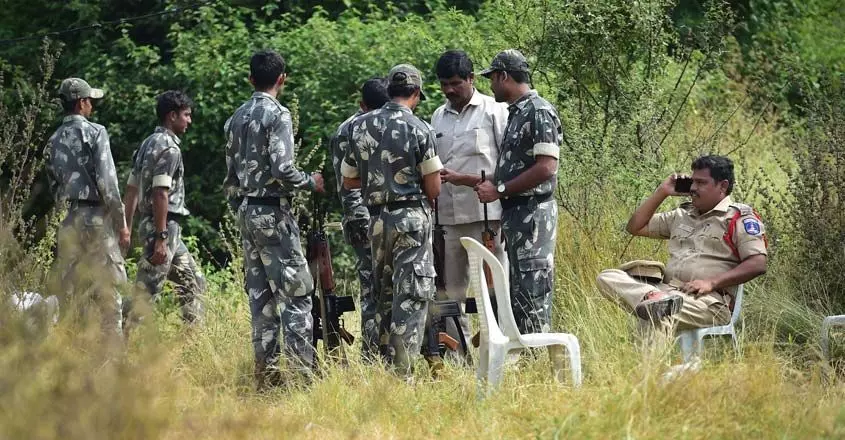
x: 698, y: 250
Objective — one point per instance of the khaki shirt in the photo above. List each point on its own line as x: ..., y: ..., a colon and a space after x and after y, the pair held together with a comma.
x: 469, y: 142
x: 697, y: 246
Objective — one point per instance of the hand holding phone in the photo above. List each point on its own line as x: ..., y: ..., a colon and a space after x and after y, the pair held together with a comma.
x: 683, y: 185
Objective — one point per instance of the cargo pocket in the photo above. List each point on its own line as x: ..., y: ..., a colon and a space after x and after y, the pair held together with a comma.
x: 296, y: 278
x: 423, y: 286
x: 535, y: 278
x: 263, y: 229
x: 410, y: 230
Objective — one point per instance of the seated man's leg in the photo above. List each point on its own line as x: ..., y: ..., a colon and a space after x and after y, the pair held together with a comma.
x: 619, y: 286
x: 702, y: 311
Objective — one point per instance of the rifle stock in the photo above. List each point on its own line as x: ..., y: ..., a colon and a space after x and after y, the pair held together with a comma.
x: 327, y: 307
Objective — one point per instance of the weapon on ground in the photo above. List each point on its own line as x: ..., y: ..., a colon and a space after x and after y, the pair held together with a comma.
x: 439, y: 248
x: 327, y: 307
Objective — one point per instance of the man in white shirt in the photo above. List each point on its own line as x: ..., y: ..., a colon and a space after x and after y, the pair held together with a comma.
x: 469, y: 128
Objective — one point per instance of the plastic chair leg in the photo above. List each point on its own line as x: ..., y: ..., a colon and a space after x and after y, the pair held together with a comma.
x: 556, y: 356
x: 575, y: 361
x: 496, y: 367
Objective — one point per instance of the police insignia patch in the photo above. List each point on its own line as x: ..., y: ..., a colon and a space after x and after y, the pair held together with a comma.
x: 752, y: 227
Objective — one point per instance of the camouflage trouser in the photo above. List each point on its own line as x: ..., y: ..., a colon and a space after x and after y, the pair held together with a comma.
x: 179, y: 267
x: 89, y: 267
x: 530, y: 232
x: 356, y: 233
x: 403, y: 267
x: 276, y: 274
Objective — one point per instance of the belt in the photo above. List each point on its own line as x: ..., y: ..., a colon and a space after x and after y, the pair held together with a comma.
x: 81, y: 202
x: 512, y: 202
x: 268, y: 201
x: 376, y: 210
x: 174, y: 216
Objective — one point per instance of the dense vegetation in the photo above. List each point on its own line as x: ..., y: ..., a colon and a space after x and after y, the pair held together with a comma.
x: 642, y: 88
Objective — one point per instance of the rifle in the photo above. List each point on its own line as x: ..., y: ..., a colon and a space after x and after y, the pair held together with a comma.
x: 488, y: 238
x: 327, y: 307
x: 439, y: 248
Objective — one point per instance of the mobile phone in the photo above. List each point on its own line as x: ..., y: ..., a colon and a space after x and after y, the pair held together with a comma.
x: 683, y: 185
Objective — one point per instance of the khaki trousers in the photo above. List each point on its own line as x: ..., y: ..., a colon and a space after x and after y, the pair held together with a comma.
x: 697, y: 312
x: 457, y: 267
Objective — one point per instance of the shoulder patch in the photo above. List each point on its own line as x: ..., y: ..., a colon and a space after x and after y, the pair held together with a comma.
x: 752, y: 226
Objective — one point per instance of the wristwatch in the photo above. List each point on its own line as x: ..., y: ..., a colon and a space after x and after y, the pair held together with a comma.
x: 162, y: 235
x: 501, y: 189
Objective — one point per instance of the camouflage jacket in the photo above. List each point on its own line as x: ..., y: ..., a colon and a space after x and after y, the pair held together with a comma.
x: 158, y: 163
x: 390, y: 150
x: 351, y: 200
x: 259, y: 152
x: 80, y: 166
x: 533, y: 129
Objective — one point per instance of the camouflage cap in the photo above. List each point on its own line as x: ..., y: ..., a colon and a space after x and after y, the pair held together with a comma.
x: 405, y: 75
x: 510, y: 60
x: 76, y: 88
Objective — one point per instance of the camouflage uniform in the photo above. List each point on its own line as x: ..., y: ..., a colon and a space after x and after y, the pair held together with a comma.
x: 391, y: 150
x: 260, y: 180
x: 81, y: 172
x: 356, y: 221
x: 158, y: 163
x: 529, y: 219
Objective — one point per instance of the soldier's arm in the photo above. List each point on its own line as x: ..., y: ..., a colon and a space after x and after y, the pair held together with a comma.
x: 280, y: 147
x: 130, y: 202
x: 107, y: 181
x: 349, y: 166
x: 429, y: 166
x: 52, y: 180
x: 546, y: 149
x: 231, y: 184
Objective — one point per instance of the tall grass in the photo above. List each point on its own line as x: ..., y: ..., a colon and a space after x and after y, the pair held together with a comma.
x: 173, y: 382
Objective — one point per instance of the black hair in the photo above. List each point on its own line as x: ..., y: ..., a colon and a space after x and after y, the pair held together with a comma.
x: 374, y: 92
x: 401, y: 90
x: 172, y: 101
x: 265, y: 67
x: 721, y: 168
x: 68, y: 105
x: 520, y: 77
x: 454, y: 63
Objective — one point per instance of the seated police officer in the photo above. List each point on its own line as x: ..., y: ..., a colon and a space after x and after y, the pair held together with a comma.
x: 715, y: 244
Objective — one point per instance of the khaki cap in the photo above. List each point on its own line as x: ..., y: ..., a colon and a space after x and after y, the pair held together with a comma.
x: 644, y: 269
x: 406, y: 75
x: 76, y: 88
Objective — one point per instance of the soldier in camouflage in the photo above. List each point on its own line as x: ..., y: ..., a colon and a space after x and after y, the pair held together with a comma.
x: 157, y: 186
x: 391, y: 156
x: 81, y: 174
x: 524, y: 181
x: 260, y: 180
x: 356, y: 218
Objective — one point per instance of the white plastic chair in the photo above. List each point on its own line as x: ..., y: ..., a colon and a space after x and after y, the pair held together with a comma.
x: 827, y: 324
x: 496, y: 342
x: 691, y: 340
